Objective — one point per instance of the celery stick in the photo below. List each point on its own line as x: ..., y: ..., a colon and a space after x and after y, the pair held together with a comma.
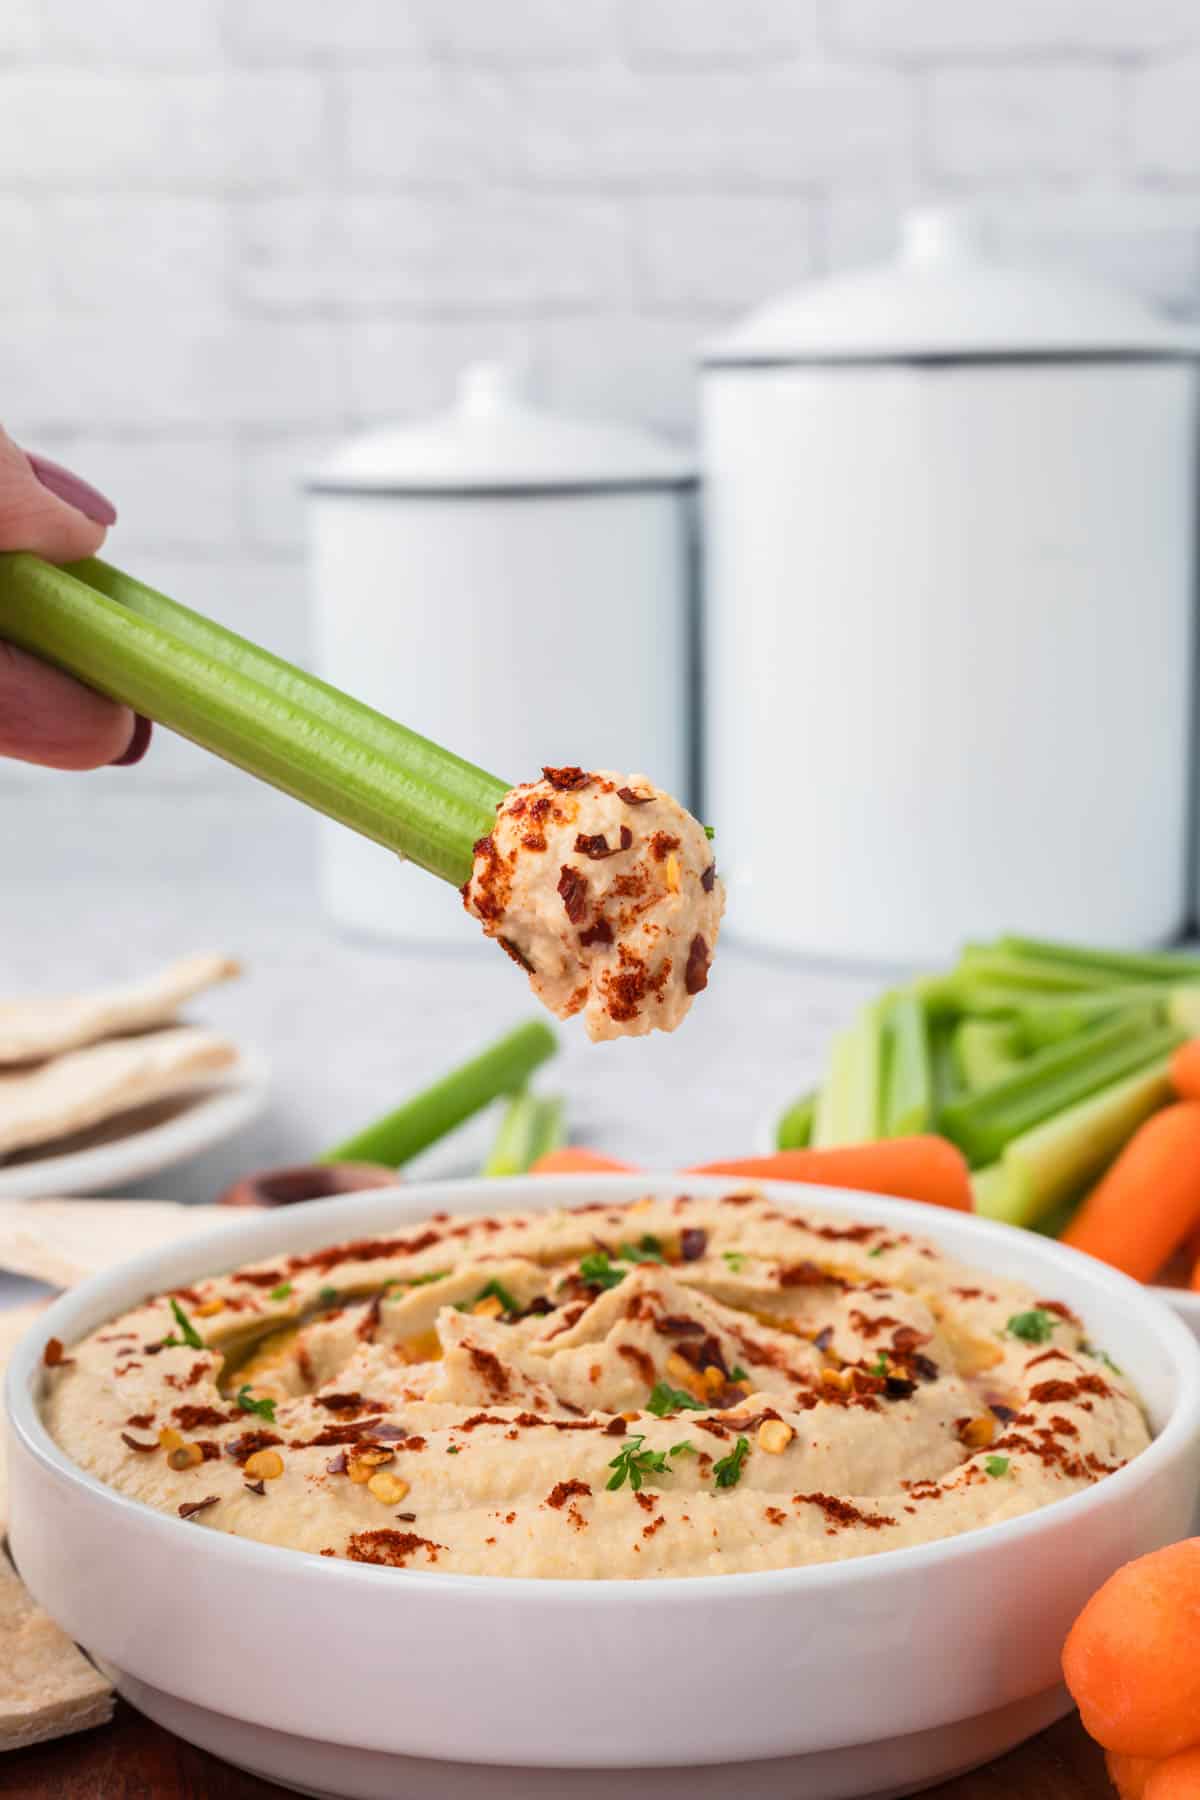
x: 982, y: 1000
x: 271, y: 719
x: 1131, y: 965
x: 1051, y: 1080
x: 502, y: 1068
x: 532, y: 1125
x: 907, y: 1104
x: 848, y: 1107
x: 987, y: 964
x: 1050, y: 1020
x: 986, y: 1051
x: 1183, y: 1009
x: 987, y: 1185
x: 1055, y: 1222
x: 944, y: 1076
x: 795, y: 1127
x: 1051, y: 1164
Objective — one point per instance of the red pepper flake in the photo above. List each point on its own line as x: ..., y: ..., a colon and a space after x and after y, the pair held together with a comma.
x: 599, y: 933
x: 190, y: 1508
x: 242, y: 1448
x: 695, y: 976
x: 345, y: 1403
x: 389, y: 1549
x: 598, y: 847
x: 564, y: 1491
x: 709, y: 877
x: 143, y: 1449
x: 568, y: 779
x: 642, y: 1362
x: 574, y: 891
x: 662, y: 844
x: 490, y: 1370
x: 649, y: 1530
x: 631, y: 798
x: 775, y: 1516
x: 191, y: 1418
x: 534, y: 840
x: 843, y: 1512
x: 693, y: 1242
x: 259, y: 1278
x: 255, y: 1487
x: 140, y: 1421
x: 54, y: 1356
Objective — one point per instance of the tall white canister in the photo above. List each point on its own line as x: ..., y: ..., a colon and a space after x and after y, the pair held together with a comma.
x: 513, y: 584
x: 949, y: 523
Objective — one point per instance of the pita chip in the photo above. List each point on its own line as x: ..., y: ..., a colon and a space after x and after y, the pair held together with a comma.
x: 86, y: 1086
x: 14, y: 1323
x: 33, y: 1030
x: 65, y: 1241
x: 47, y: 1687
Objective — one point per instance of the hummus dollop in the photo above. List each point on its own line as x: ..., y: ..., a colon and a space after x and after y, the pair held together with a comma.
x: 688, y: 1386
x: 605, y: 890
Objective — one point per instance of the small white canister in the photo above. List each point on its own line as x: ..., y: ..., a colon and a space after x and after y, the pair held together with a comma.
x: 949, y: 525
x: 514, y: 585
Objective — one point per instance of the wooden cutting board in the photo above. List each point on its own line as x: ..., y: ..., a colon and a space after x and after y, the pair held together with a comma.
x: 131, y: 1759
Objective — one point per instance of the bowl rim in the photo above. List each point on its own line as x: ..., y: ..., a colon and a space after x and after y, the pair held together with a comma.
x: 420, y: 1200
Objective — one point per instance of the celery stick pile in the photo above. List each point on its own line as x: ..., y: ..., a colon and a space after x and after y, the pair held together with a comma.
x: 1039, y: 1060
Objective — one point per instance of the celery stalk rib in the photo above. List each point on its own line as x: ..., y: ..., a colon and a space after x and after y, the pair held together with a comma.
x: 907, y: 1105
x: 795, y: 1128
x: 533, y: 1124
x: 503, y: 1068
x: 251, y: 708
x: 1129, y: 965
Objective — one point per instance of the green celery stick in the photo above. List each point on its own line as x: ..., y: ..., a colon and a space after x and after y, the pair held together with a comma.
x: 986, y: 964
x: 1128, y: 965
x: 1055, y: 1222
x: 1051, y: 1080
x: 503, y: 1068
x: 270, y: 719
x: 1050, y: 1020
x: 795, y: 1127
x: 1050, y: 1165
x: 1183, y: 1008
x: 982, y: 1000
x: 987, y: 1051
x: 532, y: 1125
x: 943, y: 1074
x: 907, y: 1104
x: 847, y: 1109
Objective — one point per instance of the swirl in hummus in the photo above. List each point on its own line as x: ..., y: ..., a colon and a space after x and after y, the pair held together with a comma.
x: 688, y: 1386
x: 605, y: 890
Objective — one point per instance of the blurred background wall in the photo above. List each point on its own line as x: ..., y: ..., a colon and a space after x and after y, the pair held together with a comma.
x: 233, y: 230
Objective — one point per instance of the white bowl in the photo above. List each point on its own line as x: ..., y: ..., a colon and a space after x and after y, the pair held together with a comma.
x: 854, y: 1678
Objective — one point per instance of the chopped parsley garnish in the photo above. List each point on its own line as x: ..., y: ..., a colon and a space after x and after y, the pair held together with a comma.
x: 190, y: 1336
x: 453, y: 1449
x: 667, y: 1399
x: 596, y: 1270
x: 728, y: 1472
x: 647, y: 1249
x: 1032, y: 1327
x: 879, y: 1366
x: 424, y: 1280
x: 684, y: 1447
x: 734, y: 1260
x: 496, y: 1290
x: 996, y: 1466
x: 327, y: 1296
x: 710, y: 832
x: 737, y: 1373
x: 281, y: 1292
x: 878, y: 1250
x: 264, y: 1408
x: 635, y: 1465
x: 1101, y: 1355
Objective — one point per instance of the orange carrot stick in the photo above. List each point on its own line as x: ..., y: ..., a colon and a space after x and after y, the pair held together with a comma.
x: 1130, y: 1658
x: 912, y: 1168
x: 1178, y: 1778
x: 573, y: 1159
x: 1185, y: 1070
x: 1129, y: 1774
x: 1148, y: 1203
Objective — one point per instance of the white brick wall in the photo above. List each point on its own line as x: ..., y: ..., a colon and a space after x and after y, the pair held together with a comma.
x: 231, y: 231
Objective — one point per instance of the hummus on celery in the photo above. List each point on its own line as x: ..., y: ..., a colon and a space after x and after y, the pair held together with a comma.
x: 605, y: 890
x: 677, y: 1387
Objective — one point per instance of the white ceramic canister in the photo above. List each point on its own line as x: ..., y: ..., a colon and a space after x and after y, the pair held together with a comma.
x: 513, y: 584
x: 949, y: 521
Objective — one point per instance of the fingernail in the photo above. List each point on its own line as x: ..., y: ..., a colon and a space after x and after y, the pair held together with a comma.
x: 137, y: 746
x: 73, y: 489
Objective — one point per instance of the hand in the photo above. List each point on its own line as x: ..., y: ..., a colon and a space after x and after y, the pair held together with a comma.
x: 45, y: 716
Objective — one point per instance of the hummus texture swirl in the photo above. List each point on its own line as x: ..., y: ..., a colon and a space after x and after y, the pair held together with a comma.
x: 690, y: 1386
x: 605, y: 890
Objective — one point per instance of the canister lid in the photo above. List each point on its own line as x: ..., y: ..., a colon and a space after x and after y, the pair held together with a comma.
x: 944, y: 298
x: 493, y: 440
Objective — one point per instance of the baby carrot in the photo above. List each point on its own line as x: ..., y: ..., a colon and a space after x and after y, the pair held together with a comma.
x: 1185, y: 1070
x: 1148, y: 1203
x: 1177, y: 1778
x: 1129, y: 1774
x: 573, y: 1159
x: 912, y: 1168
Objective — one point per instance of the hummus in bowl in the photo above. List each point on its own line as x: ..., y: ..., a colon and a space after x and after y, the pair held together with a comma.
x: 691, y: 1384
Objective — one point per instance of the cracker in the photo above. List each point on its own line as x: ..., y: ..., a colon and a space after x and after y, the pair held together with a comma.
x: 14, y: 1323
x: 47, y: 1687
x: 87, y: 1086
x: 33, y: 1030
x: 65, y: 1241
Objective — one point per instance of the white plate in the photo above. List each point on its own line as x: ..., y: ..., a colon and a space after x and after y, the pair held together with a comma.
x: 144, y: 1140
